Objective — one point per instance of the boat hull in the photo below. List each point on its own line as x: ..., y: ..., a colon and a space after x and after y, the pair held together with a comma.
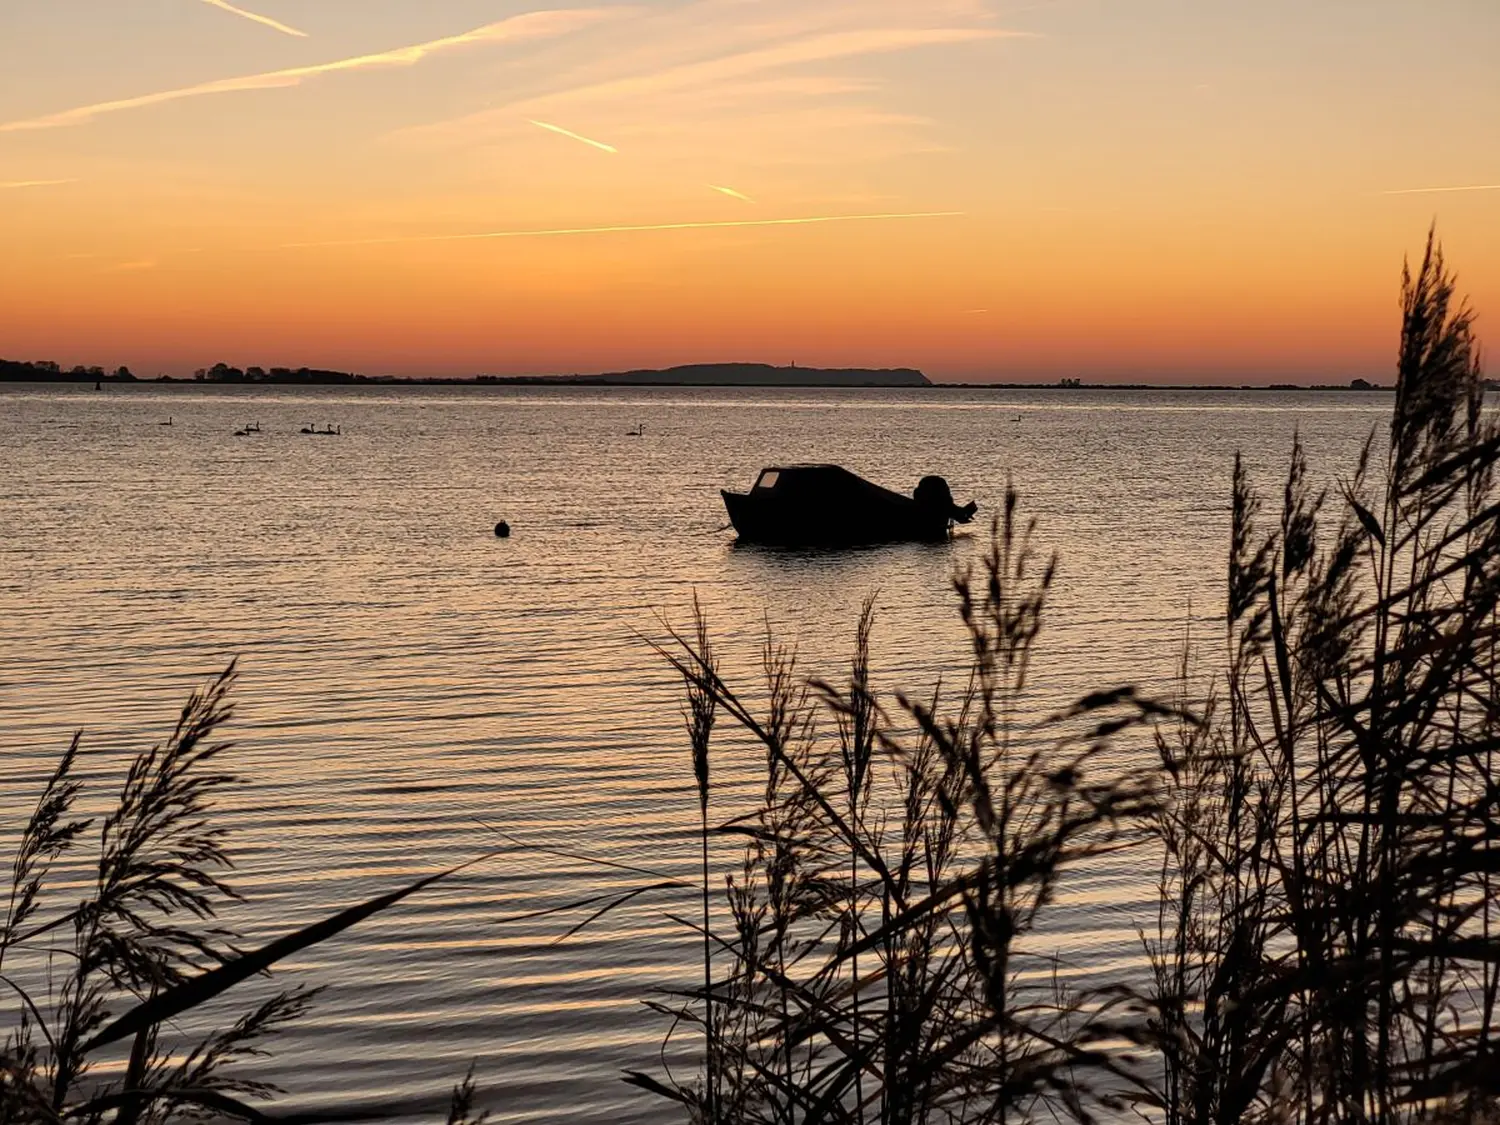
x: 825, y: 506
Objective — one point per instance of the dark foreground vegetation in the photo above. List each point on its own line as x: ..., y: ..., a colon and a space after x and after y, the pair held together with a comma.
x: 141, y: 948
x: 1321, y: 823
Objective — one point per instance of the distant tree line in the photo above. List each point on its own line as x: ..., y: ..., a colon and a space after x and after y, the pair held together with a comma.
x: 47, y: 371
x: 224, y: 373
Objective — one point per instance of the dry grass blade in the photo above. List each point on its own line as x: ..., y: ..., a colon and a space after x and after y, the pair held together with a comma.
x: 143, y: 934
x: 198, y: 990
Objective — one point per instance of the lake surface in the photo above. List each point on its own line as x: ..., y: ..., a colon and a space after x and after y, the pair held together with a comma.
x: 411, y: 684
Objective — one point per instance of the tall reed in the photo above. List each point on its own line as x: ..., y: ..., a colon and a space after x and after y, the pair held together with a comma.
x: 1322, y: 819
x: 700, y: 713
x: 878, y: 964
x: 143, y: 947
x: 1327, y: 944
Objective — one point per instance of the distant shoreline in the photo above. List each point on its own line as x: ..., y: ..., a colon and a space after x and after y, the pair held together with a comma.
x: 730, y: 376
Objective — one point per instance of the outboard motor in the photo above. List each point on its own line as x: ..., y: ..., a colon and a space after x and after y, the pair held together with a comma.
x: 933, y: 492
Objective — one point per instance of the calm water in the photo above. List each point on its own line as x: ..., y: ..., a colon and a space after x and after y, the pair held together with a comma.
x: 411, y: 683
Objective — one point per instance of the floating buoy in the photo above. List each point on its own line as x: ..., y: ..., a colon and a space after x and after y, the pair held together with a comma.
x: 502, y: 530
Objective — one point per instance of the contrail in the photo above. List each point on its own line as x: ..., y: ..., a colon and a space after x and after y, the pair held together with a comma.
x: 729, y: 191
x: 558, y: 129
x: 132, y: 267
x: 711, y: 73
x: 527, y: 26
x: 803, y: 221
x: 1425, y: 190
x: 35, y: 183
x: 275, y: 25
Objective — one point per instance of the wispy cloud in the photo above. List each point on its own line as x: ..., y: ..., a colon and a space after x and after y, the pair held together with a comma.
x: 558, y: 129
x: 729, y: 191
x: 805, y: 220
x: 275, y: 25
x: 710, y: 73
x: 34, y: 184
x: 1456, y: 187
x: 531, y: 25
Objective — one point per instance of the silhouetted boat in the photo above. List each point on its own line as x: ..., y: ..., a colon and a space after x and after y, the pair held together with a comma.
x: 828, y: 506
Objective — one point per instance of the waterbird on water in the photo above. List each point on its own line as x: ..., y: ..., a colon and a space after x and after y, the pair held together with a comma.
x: 639, y: 431
x: 168, y: 422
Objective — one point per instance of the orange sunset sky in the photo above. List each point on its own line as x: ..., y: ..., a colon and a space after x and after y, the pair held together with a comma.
x: 1141, y: 190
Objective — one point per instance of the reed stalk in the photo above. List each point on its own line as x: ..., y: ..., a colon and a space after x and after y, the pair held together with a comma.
x: 700, y: 713
x: 143, y: 947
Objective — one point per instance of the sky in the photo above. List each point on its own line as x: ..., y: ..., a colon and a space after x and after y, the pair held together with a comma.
x: 1113, y: 190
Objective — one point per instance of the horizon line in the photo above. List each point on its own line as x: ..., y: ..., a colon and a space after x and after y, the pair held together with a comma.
x: 586, y: 379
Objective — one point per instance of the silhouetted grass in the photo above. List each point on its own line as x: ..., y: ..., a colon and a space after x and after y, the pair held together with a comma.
x: 873, y: 959
x: 1324, y: 823
x: 1327, y: 948
x: 142, y: 948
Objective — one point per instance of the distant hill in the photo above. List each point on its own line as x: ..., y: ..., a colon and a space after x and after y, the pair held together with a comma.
x: 688, y: 375
x: 750, y: 375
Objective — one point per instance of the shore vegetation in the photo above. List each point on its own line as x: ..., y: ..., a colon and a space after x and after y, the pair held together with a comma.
x: 1322, y: 817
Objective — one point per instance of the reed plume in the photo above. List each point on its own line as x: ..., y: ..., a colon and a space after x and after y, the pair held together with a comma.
x: 700, y: 712
x: 1325, y: 945
x: 957, y: 825
x: 145, y: 939
x: 1321, y: 819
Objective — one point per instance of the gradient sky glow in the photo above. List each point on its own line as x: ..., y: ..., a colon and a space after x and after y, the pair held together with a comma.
x: 1204, y: 190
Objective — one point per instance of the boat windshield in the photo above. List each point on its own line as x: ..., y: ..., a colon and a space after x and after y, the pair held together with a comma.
x: 768, y: 479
